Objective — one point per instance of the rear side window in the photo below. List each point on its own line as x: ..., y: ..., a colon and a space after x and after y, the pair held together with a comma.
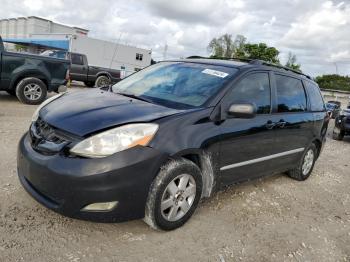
x: 77, y: 59
x: 290, y: 94
x: 255, y: 88
x: 315, y: 97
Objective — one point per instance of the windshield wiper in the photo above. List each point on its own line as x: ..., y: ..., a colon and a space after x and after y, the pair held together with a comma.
x: 135, y: 96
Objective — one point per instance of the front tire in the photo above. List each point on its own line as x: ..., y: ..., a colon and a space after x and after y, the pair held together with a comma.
x: 31, y: 91
x: 174, y: 195
x: 306, y: 164
x: 338, y: 134
x: 102, y: 81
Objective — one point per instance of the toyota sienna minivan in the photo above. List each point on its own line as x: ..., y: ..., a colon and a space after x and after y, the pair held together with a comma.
x: 154, y: 144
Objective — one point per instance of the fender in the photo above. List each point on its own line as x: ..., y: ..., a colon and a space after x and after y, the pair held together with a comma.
x: 104, y: 73
x: 27, y: 70
x: 206, y: 163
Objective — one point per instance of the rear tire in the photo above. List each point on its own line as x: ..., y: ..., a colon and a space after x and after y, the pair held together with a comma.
x: 338, y: 134
x: 31, y: 91
x: 174, y: 195
x: 305, y: 165
x: 102, y: 81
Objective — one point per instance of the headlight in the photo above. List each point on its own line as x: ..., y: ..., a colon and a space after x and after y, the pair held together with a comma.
x: 115, y: 140
x: 47, y: 101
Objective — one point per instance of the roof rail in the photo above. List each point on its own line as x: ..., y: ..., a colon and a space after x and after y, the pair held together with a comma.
x: 262, y: 62
x: 221, y: 58
x: 252, y: 62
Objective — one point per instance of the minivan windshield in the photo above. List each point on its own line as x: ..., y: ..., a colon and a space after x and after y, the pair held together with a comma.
x: 176, y: 84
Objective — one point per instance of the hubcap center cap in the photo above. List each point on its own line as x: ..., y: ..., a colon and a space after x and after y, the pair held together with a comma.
x: 178, y: 197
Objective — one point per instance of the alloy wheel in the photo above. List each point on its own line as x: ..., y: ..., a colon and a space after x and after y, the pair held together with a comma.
x: 308, y: 162
x: 178, y: 197
x: 32, y: 92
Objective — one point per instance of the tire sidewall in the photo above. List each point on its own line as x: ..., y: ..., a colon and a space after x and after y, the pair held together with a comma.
x: 171, y: 173
x: 314, y: 149
x: 99, y: 79
x: 20, y: 91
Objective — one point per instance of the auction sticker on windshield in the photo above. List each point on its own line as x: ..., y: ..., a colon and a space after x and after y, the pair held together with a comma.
x: 215, y: 73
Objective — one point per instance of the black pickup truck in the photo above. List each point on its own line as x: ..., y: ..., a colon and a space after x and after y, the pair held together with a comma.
x: 81, y: 71
x: 30, y: 77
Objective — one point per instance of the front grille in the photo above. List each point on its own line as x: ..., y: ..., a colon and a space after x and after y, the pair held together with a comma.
x: 46, y: 132
x: 46, y: 139
x: 347, y: 120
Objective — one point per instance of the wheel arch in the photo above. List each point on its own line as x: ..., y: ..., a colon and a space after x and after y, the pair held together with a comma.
x: 203, y: 160
x: 103, y: 73
x: 317, y: 142
x: 24, y: 75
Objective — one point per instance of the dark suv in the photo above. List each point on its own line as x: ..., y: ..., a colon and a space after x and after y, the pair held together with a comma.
x: 342, y: 125
x: 154, y: 144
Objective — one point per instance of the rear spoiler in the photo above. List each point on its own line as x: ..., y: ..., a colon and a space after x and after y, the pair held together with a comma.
x: 1, y: 45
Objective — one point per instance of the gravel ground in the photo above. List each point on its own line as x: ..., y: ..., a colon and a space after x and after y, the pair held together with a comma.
x: 272, y: 219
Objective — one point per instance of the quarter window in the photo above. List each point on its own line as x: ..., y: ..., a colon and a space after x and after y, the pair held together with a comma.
x: 290, y: 94
x: 255, y: 88
x: 316, y: 100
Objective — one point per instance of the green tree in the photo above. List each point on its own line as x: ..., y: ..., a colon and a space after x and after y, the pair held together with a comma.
x: 226, y: 47
x: 292, y: 62
x: 335, y: 82
x: 239, y: 46
x: 222, y: 46
x: 20, y: 48
x: 261, y: 51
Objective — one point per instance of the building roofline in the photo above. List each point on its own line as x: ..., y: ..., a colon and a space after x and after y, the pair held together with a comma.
x: 80, y: 28
x: 43, y: 19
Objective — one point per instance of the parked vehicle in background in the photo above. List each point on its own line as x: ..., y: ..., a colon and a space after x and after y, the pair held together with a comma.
x: 335, y: 102
x: 342, y: 125
x: 333, y: 108
x: 30, y: 77
x: 155, y: 143
x: 81, y: 71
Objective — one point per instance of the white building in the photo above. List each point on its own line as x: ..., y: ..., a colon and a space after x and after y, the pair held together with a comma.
x: 35, y: 35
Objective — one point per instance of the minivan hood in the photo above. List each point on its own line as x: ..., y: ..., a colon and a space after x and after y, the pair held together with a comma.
x: 86, y: 112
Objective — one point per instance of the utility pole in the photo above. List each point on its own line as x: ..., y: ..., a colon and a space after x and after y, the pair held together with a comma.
x: 336, y: 68
x: 115, y: 50
x: 165, y: 51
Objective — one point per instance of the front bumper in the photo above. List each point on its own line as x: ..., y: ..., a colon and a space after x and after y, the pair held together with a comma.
x: 66, y: 184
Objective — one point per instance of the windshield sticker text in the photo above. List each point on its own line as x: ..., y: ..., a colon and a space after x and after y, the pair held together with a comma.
x: 214, y: 73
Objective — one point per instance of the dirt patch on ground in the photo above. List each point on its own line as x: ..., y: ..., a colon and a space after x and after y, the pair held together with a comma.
x: 272, y: 219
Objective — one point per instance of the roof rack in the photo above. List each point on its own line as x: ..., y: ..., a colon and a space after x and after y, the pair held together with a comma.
x: 247, y: 60
x: 253, y: 62
x: 261, y: 62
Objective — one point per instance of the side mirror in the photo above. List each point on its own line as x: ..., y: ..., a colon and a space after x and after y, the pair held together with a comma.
x: 242, y: 110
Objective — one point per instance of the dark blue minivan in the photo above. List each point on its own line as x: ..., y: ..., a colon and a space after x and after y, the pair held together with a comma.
x: 154, y: 144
